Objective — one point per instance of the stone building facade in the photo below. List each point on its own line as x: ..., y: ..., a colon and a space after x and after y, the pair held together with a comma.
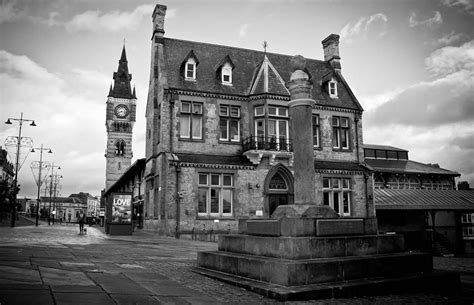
x: 218, y: 144
x: 120, y: 118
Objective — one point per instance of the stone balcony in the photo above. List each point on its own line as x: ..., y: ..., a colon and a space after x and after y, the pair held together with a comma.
x: 274, y: 148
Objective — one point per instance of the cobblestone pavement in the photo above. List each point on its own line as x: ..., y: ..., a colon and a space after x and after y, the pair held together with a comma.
x: 56, y: 265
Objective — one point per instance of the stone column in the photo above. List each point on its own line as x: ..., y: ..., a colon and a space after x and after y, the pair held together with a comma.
x: 301, y: 105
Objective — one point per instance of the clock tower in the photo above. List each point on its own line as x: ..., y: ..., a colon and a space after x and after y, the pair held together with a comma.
x: 119, y: 120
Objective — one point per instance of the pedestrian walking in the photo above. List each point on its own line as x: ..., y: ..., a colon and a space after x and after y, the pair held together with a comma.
x: 81, y: 222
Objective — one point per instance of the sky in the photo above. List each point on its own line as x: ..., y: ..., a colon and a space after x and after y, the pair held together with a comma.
x: 410, y: 64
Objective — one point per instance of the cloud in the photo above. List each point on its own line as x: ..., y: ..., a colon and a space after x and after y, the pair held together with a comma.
x: 434, y: 119
x: 115, y: 21
x: 9, y: 12
x: 444, y: 100
x: 430, y: 22
x: 243, y: 30
x: 60, y: 113
x: 363, y: 26
x: 450, y: 39
x: 451, y: 59
x: 462, y: 5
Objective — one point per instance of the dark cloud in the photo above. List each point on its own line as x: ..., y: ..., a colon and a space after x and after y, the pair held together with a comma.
x: 445, y: 101
x: 464, y: 142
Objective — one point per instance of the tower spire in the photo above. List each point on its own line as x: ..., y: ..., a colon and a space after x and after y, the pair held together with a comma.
x: 122, y: 78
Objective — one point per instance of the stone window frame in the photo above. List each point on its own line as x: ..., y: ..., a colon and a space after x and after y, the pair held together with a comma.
x: 467, y: 218
x: 190, y: 69
x: 342, y: 189
x: 339, y: 129
x: 332, y: 88
x: 190, y: 113
x: 208, y: 187
x: 229, y: 117
x: 226, y: 71
x: 315, y: 119
x: 468, y: 231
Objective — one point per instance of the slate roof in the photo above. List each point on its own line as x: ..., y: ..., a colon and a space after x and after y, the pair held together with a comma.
x: 388, y: 199
x: 247, y: 62
x: 213, y: 159
x: 407, y: 167
x: 339, y: 165
x: 383, y: 147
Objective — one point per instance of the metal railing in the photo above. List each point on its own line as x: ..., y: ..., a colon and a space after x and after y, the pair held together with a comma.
x: 267, y: 143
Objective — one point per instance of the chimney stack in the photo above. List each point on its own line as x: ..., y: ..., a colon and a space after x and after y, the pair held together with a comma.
x: 159, y: 21
x: 331, y: 51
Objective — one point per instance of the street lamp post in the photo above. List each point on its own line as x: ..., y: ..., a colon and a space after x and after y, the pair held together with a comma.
x: 15, y: 183
x: 39, y: 177
x: 52, y: 176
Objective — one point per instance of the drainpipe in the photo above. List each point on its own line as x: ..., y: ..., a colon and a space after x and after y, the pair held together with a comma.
x: 177, y: 168
x: 178, y: 200
x: 356, y: 120
x: 433, y: 228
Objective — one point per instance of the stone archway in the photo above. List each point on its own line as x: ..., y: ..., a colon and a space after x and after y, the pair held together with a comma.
x: 278, y: 188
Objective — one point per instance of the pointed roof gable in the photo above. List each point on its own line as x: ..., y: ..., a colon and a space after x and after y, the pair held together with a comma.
x: 122, y: 78
x: 245, y: 75
x: 268, y: 80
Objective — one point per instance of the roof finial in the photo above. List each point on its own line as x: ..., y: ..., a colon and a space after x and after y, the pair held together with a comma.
x: 265, y: 45
x: 124, y: 41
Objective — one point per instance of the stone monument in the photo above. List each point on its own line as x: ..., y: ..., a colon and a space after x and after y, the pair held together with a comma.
x: 306, y: 251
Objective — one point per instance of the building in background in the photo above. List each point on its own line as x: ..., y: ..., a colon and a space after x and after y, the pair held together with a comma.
x: 218, y: 145
x: 131, y: 182
x: 92, y: 205
x: 66, y: 208
x: 7, y: 176
x: 119, y: 121
x: 421, y: 201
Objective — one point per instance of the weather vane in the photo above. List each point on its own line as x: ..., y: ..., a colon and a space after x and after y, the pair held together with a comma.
x: 265, y: 45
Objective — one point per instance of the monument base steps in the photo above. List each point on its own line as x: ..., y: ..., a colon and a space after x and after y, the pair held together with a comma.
x: 444, y: 283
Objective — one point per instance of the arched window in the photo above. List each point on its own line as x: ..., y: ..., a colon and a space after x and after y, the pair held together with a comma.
x: 392, y: 182
x: 414, y: 183
x: 120, y: 148
x: 379, y: 182
x: 277, y: 183
x: 403, y: 183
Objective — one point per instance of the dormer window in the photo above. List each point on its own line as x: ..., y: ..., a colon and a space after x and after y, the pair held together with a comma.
x: 332, y: 88
x: 190, y: 69
x: 226, y: 74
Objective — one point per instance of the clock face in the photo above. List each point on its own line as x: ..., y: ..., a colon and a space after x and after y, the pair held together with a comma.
x: 121, y: 111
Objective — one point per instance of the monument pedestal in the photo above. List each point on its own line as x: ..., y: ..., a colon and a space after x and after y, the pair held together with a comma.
x: 308, y: 258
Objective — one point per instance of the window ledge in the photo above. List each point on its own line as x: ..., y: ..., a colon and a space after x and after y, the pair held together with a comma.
x: 191, y: 140
x: 342, y: 149
x: 215, y: 217
x: 189, y: 79
x: 230, y: 142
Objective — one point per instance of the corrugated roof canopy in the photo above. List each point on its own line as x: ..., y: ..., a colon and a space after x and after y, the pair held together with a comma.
x: 406, y: 167
x: 388, y: 199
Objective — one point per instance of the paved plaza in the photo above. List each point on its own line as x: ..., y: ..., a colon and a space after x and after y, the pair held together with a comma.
x: 55, y: 265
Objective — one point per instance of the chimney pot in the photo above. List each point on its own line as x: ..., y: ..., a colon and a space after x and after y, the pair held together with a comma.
x: 159, y: 20
x: 331, y: 51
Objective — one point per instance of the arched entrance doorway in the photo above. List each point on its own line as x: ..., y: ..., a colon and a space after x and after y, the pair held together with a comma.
x: 278, y: 188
